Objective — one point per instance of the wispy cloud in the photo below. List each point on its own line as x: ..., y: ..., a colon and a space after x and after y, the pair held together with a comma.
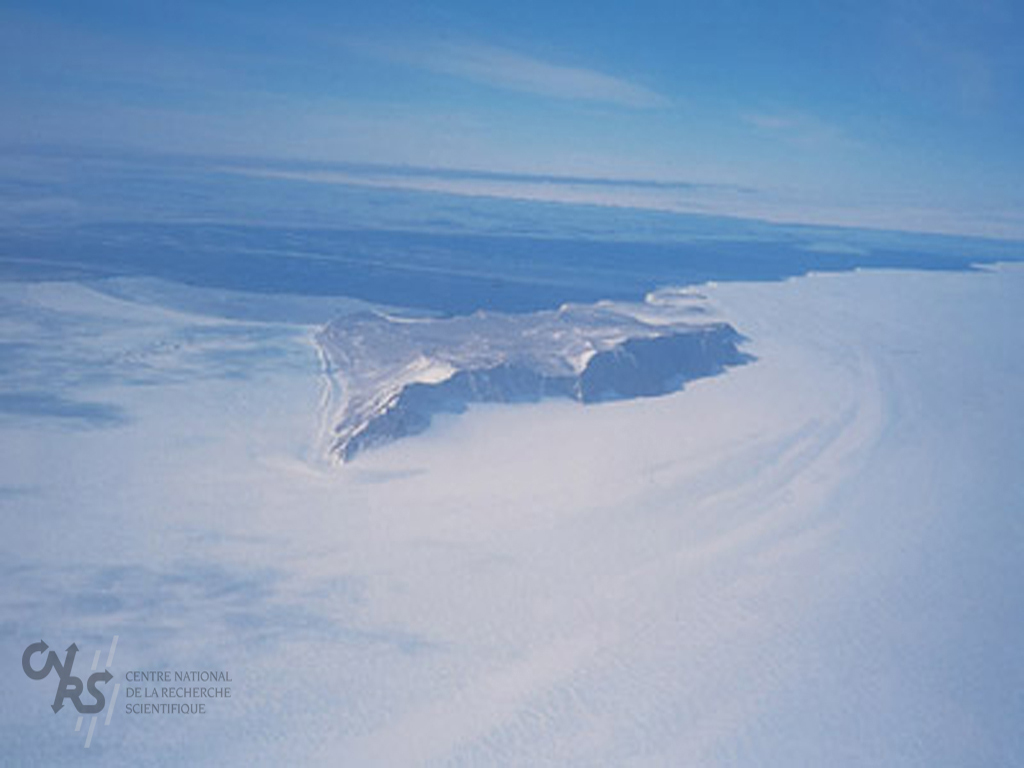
x: 775, y: 205
x: 509, y: 70
x: 797, y: 128
x: 770, y: 122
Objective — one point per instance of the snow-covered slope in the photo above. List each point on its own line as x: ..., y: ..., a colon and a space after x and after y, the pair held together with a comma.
x: 813, y: 560
x: 396, y: 373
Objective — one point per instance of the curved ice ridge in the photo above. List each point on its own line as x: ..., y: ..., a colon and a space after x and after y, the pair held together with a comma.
x: 394, y: 374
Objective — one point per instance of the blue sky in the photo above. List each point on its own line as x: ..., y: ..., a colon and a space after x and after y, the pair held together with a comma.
x: 897, y: 113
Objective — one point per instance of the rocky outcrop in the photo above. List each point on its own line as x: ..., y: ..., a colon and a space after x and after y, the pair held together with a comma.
x: 395, y: 374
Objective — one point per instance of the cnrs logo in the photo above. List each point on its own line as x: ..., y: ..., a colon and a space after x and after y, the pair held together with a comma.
x: 68, y: 686
x: 39, y: 661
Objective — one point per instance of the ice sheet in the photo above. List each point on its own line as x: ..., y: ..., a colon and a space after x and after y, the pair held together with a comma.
x: 813, y: 559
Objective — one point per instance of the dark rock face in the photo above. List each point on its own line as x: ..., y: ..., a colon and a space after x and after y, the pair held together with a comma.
x: 396, y: 374
x: 659, y: 365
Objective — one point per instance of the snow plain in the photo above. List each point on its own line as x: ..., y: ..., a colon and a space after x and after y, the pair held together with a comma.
x: 814, y: 559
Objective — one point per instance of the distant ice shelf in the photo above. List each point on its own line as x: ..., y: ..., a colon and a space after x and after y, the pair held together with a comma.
x: 390, y: 375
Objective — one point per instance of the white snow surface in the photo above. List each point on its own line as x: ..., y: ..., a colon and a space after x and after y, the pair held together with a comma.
x: 814, y: 559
